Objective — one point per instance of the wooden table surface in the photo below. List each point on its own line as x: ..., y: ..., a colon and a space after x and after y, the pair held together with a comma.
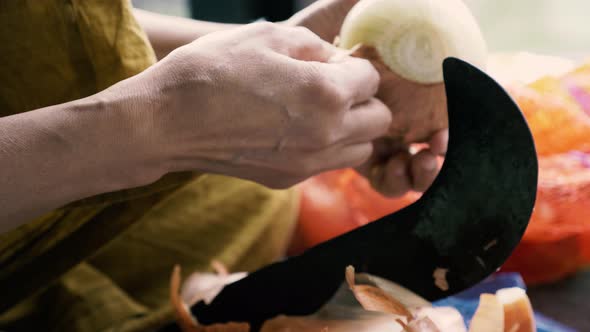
x: 567, y: 301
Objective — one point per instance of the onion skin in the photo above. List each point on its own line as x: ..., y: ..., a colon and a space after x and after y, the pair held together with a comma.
x: 407, y: 42
x: 375, y: 299
x: 184, y: 318
x: 378, y: 310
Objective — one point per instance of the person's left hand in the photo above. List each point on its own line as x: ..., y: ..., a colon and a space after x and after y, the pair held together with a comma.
x: 419, y: 113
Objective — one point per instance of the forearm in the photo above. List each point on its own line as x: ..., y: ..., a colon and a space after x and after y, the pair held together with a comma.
x: 58, y: 154
x: 167, y: 33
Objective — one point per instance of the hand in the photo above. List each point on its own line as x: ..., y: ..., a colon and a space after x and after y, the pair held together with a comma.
x: 396, y: 168
x: 419, y: 112
x: 419, y: 116
x: 264, y: 102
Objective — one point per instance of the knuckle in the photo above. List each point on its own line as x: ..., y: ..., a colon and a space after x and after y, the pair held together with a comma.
x: 309, y: 143
x: 325, y: 93
x: 334, y: 95
x: 304, y: 32
x: 366, y: 65
x: 307, y: 167
x: 372, y: 76
x: 263, y: 27
x: 366, y: 69
x: 385, y: 115
x: 310, y: 83
x: 324, y: 138
x: 371, y: 70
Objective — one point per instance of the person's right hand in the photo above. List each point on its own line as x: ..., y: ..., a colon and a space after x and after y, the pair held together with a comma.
x: 264, y: 102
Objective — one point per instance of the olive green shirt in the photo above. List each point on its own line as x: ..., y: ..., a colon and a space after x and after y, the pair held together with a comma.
x: 103, y: 263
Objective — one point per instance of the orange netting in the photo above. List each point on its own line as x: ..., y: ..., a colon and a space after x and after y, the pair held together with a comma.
x: 557, y: 242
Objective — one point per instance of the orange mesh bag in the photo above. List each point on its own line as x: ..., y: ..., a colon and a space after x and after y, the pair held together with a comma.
x: 557, y: 125
x: 555, y: 244
x: 337, y: 202
x: 557, y: 241
x: 577, y: 84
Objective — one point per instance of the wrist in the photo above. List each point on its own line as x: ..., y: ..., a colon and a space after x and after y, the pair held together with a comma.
x: 113, y: 131
x: 170, y: 117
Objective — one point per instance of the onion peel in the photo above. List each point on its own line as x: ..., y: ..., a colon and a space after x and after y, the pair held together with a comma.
x: 440, y: 279
x: 375, y: 299
x: 185, y: 320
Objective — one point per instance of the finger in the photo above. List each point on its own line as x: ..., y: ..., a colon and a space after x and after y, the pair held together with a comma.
x: 335, y: 157
x: 439, y: 142
x: 300, y: 165
x: 424, y: 168
x: 365, y: 122
x: 356, y: 78
x: 302, y: 44
x: 396, y: 179
x: 383, y: 149
x: 348, y: 156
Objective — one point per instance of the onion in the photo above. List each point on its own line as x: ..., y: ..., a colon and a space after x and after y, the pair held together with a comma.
x: 518, y: 312
x: 489, y: 316
x: 414, y: 37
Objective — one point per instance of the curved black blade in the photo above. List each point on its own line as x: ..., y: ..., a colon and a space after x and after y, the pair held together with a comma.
x: 468, y: 222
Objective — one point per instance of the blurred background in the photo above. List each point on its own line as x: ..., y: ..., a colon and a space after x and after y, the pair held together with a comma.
x: 542, y: 26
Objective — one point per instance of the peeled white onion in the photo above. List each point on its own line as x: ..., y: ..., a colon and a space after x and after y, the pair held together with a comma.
x: 413, y: 37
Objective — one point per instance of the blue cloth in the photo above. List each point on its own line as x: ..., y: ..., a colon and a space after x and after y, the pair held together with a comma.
x: 466, y: 302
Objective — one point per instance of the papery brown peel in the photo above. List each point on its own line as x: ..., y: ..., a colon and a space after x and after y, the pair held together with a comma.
x: 440, y: 279
x: 184, y: 318
x: 374, y: 299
